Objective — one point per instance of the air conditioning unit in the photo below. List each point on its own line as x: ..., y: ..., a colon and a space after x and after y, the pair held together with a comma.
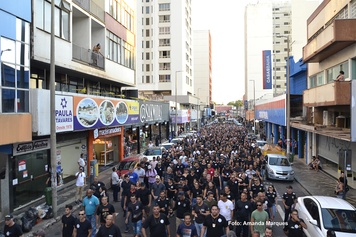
x: 328, y: 118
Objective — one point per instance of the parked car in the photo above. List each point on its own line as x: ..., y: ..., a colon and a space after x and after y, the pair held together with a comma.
x: 177, y: 140
x: 153, y: 152
x: 127, y: 163
x: 278, y: 167
x: 323, y: 213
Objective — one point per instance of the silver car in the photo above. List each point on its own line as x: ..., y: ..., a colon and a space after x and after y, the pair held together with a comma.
x: 278, y: 168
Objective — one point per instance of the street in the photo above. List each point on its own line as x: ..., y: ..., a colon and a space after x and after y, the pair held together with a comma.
x: 55, y: 230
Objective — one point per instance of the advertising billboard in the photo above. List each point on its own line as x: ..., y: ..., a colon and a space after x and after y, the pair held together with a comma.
x: 267, y: 69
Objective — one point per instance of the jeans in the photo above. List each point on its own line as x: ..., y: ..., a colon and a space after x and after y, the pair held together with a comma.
x: 199, y: 227
x: 92, y: 220
x: 263, y: 172
x: 272, y: 211
x: 137, y: 227
x: 115, y: 191
x: 194, y: 201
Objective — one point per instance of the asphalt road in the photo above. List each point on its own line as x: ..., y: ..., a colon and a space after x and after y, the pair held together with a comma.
x: 55, y: 230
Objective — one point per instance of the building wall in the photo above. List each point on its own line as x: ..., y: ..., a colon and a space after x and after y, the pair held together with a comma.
x: 202, y: 65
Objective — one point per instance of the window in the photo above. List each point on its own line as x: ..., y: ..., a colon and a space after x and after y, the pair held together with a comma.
x: 147, y: 44
x: 147, y: 33
x: 164, y: 18
x: 15, y: 71
x: 147, y: 56
x: 164, y: 54
x: 164, y: 30
x: 147, y: 10
x: 164, y: 7
x: 147, y: 67
x: 148, y: 79
x: 128, y: 55
x: 333, y: 72
x: 147, y: 21
x: 62, y: 11
x: 114, y: 47
x: 164, y: 42
x: 164, y: 66
x: 164, y: 78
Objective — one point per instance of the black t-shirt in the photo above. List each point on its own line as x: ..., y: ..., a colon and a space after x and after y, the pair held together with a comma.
x: 198, y: 210
x: 104, y: 231
x: 243, y: 210
x: 256, y: 189
x: 103, y: 211
x: 82, y: 228
x: 215, y: 226
x: 294, y: 228
x: 157, y: 225
x: 271, y: 198
x: 163, y: 204
x: 126, y: 188
x: 196, y: 191
x: 171, y: 190
x: 68, y: 225
x: 289, y: 198
x: 182, y: 206
x: 144, y: 195
x: 136, y: 211
x: 13, y: 231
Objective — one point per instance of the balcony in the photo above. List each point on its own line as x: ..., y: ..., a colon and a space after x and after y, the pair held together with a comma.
x: 91, y: 7
x: 336, y: 93
x: 87, y: 56
x: 335, y: 37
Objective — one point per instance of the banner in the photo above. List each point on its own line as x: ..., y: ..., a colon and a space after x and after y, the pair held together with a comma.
x: 267, y: 69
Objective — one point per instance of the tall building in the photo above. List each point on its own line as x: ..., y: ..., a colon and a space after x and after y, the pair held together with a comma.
x: 203, y: 66
x: 164, y: 48
x: 271, y: 25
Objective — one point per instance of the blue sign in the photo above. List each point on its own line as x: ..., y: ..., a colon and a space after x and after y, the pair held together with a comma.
x: 267, y: 69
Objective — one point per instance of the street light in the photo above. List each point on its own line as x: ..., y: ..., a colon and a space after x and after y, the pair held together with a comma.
x: 254, y: 105
x: 176, y: 103
x: 288, y: 94
x: 5, y: 50
x: 198, y: 114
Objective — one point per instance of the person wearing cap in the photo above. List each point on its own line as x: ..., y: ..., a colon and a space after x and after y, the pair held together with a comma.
x: 182, y: 206
x: 151, y: 176
x: 289, y: 199
x: 11, y: 228
x: 157, y: 188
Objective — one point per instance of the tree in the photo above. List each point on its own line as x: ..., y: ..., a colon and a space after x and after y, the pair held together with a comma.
x: 237, y: 103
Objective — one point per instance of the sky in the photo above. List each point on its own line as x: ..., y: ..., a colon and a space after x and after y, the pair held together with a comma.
x: 225, y: 20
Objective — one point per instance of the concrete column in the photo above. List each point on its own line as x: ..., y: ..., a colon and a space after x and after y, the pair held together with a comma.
x: 301, y: 142
x: 5, y: 188
x: 276, y: 133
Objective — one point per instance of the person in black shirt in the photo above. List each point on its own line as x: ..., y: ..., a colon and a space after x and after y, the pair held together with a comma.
x: 144, y: 196
x: 200, y: 211
x: 243, y: 212
x: 82, y: 227
x: 256, y: 187
x: 137, y: 214
x: 295, y: 225
x: 163, y: 203
x: 103, y: 210
x: 109, y: 228
x: 11, y: 228
x: 289, y: 199
x: 68, y: 221
x: 95, y: 186
x: 272, y: 199
x: 214, y: 224
x: 182, y: 206
x: 158, y: 224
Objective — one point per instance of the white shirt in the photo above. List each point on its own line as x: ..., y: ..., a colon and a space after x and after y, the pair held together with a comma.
x: 114, y: 178
x: 80, y: 179
x: 226, y: 208
x: 140, y: 172
x: 81, y: 162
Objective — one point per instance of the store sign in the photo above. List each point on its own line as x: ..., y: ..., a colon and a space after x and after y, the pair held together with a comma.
x: 150, y: 112
x: 64, y: 113
x: 98, y: 112
x: 28, y: 147
x: 107, y: 131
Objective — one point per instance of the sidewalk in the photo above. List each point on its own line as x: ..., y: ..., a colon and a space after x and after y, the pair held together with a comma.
x: 318, y: 183
x: 66, y: 195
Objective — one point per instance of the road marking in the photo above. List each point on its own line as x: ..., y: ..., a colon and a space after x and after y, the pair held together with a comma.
x: 280, y: 211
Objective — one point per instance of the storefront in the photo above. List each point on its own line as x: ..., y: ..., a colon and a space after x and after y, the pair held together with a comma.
x: 183, y: 120
x: 29, y: 171
x: 104, y: 119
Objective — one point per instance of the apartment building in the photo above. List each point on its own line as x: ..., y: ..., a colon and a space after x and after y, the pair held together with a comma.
x: 331, y: 48
x: 94, y: 61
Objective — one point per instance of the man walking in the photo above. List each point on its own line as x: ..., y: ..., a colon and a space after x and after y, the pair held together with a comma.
x: 68, y: 221
x: 90, y: 204
x: 289, y: 199
x: 109, y: 228
x: 82, y: 227
x: 11, y: 228
x: 186, y: 229
x: 259, y: 218
x: 115, y: 184
x: 214, y: 224
x: 158, y: 224
x: 200, y: 211
x: 80, y: 184
x: 103, y: 210
x: 136, y: 212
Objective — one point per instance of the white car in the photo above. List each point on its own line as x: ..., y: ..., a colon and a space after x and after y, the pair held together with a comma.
x: 153, y: 152
x: 167, y: 145
x: 323, y: 213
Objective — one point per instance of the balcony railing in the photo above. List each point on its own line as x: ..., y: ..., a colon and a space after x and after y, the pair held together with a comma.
x: 336, y: 93
x: 92, y: 8
x: 87, y: 56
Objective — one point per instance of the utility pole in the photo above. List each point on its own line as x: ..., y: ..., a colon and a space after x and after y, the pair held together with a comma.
x: 176, y: 104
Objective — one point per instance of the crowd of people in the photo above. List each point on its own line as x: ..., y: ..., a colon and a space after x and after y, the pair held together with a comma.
x: 212, y: 182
